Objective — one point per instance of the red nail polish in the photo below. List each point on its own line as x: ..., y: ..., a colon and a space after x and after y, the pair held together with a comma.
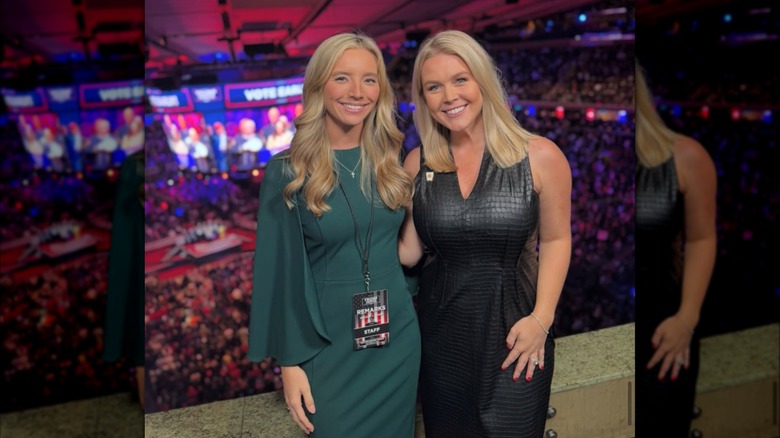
x: 674, y: 378
x: 503, y: 368
x: 515, y: 378
x: 660, y: 379
x: 528, y: 378
x: 541, y: 367
x: 508, y: 347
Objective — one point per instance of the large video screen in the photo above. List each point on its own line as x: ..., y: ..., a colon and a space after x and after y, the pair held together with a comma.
x: 233, y: 128
x: 87, y: 129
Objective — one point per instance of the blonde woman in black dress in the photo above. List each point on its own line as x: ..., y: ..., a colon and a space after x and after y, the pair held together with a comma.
x: 675, y: 254
x: 487, y: 192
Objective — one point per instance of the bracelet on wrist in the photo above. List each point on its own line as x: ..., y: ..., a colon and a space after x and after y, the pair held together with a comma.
x: 546, y: 332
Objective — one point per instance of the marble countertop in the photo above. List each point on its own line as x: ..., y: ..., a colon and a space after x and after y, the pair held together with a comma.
x: 581, y: 360
x: 593, y: 357
x: 738, y: 357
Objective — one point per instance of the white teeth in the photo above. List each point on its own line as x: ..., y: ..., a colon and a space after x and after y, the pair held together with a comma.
x: 352, y: 107
x: 454, y: 111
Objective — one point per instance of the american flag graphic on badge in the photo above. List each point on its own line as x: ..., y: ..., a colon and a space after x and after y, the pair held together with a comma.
x: 371, y: 319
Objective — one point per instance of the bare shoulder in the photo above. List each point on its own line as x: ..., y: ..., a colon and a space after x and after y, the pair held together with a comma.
x: 689, y: 152
x: 542, y: 149
x: 548, y: 162
x: 693, y: 162
x: 412, y: 162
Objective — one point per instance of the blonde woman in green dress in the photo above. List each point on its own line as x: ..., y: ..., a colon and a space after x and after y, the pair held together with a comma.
x: 330, y: 302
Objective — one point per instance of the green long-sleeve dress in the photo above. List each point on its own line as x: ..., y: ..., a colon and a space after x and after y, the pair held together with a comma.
x: 124, y: 327
x: 306, y: 271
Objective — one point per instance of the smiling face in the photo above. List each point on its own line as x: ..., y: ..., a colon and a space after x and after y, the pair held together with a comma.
x: 351, y: 90
x: 451, y: 93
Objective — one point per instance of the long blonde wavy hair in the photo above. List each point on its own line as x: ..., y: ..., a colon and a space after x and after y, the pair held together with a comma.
x: 654, y: 140
x: 311, y: 159
x: 505, y: 139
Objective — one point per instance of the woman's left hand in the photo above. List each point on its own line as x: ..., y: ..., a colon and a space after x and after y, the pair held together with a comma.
x: 525, y: 343
x: 671, y: 340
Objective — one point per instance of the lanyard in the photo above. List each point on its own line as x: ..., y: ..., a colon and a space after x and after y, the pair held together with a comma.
x: 363, y: 250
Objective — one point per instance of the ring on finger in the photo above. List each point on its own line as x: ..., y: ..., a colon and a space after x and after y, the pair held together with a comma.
x: 680, y: 360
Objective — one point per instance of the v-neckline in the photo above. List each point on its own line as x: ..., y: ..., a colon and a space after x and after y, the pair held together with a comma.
x: 476, y: 180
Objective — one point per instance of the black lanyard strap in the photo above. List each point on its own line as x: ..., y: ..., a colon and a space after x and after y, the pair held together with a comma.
x: 363, y: 250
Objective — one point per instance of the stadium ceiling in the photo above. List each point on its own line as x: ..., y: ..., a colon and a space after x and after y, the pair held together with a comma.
x: 198, y: 31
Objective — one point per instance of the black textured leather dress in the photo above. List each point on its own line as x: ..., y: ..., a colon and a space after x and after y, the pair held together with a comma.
x: 478, y: 279
x: 663, y: 408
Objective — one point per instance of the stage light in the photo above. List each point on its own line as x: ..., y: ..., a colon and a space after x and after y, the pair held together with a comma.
x: 224, y: 175
x: 530, y: 110
x: 582, y: 18
x: 705, y: 112
x: 170, y: 183
x: 676, y: 111
x: 255, y: 172
x: 622, y: 116
x: 179, y: 212
x: 559, y: 111
x: 727, y: 18
x: 767, y: 117
x: 735, y: 114
x: 590, y: 114
x: 164, y: 205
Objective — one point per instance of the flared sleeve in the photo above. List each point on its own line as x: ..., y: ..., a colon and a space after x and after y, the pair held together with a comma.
x: 285, y: 319
x: 123, y: 333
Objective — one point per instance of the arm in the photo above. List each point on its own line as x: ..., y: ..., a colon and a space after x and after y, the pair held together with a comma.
x: 285, y: 319
x: 410, y: 247
x: 552, y: 179
x: 698, y: 182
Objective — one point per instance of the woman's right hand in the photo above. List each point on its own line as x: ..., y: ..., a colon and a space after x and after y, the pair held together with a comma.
x: 296, y: 386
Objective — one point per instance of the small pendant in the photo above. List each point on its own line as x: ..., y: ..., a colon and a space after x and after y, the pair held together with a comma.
x: 353, y: 175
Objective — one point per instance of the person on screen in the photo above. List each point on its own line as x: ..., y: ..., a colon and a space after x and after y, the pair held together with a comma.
x: 178, y: 146
x: 74, y: 145
x: 220, y: 144
x: 270, y: 127
x: 128, y: 115
x: 102, y: 144
x: 280, y: 139
x: 675, y: 254
x: 198, y: 150
x: 133, y: 139
x: 491, y: 208
x: 32, y: 145
x: 326, y: 255
x: 53, y: 150
x: 247, y: 144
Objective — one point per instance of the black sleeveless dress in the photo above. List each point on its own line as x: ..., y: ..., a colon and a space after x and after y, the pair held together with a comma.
x: 478, y: 279
x: 663, y: 408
